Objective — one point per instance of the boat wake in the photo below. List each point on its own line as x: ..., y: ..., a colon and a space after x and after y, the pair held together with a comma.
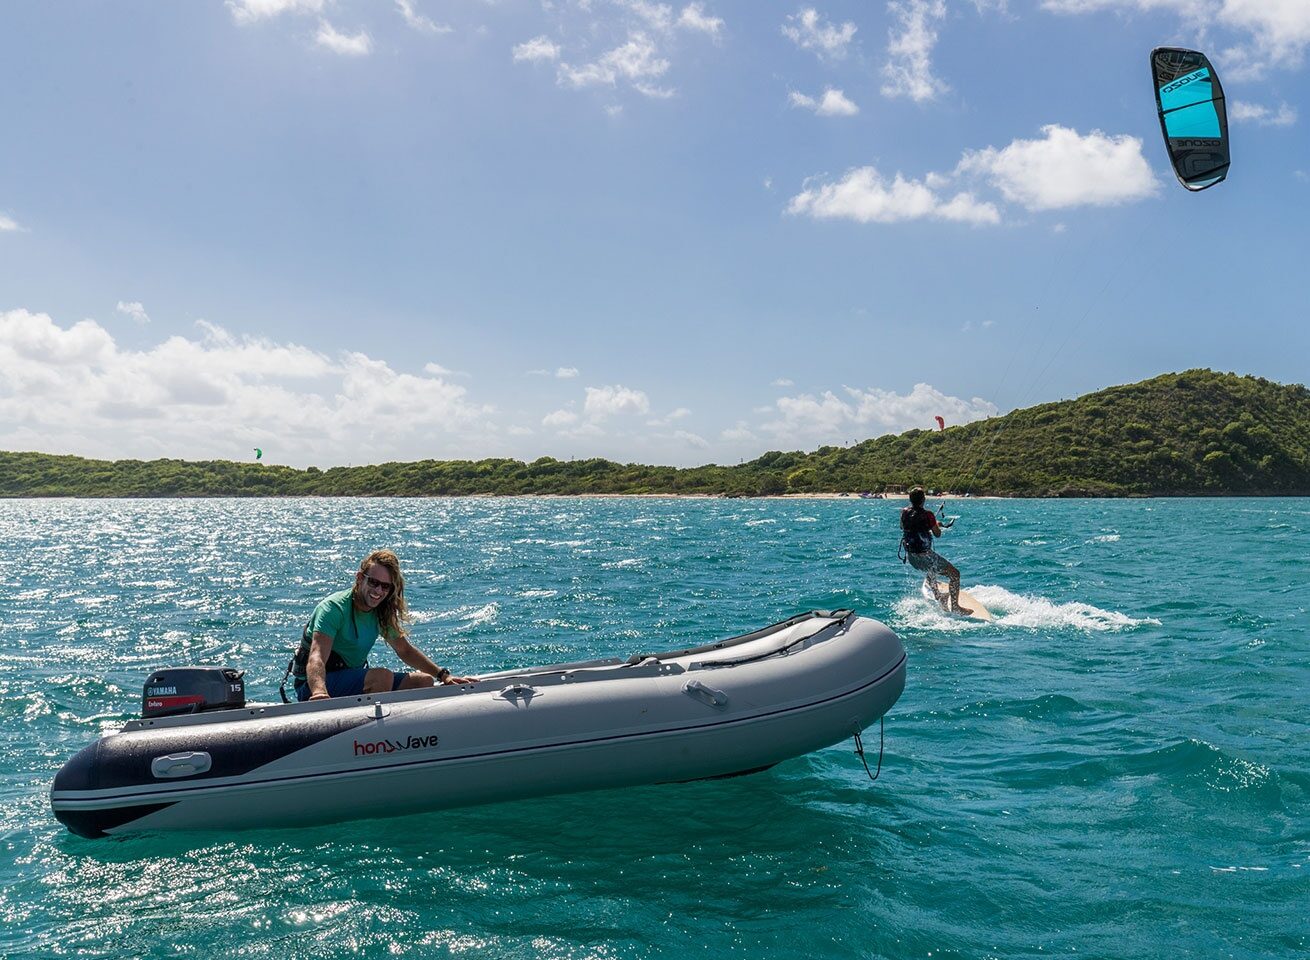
x: 1015, y: 610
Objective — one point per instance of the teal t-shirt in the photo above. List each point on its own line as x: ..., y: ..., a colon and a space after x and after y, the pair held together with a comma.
x: 353, y: 632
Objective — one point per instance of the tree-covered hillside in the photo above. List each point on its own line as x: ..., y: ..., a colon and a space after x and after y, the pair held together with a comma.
x: 1191, y: 433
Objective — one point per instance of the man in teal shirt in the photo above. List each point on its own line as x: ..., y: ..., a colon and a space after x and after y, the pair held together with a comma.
x: 333, y: 657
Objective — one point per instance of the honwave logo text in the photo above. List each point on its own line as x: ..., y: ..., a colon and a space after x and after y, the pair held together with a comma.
x: 160, y: 691
x: 393, y: 746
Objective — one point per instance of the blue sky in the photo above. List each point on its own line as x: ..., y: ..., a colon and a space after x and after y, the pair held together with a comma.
x: 349, y: 231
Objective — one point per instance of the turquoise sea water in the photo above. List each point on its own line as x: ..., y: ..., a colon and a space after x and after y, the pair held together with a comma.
x: 1119, y: 767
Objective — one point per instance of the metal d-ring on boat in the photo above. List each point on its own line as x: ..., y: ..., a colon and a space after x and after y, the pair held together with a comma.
x: 732, y: 707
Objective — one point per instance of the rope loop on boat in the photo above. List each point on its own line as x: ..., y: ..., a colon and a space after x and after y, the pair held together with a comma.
x: 859, y: 750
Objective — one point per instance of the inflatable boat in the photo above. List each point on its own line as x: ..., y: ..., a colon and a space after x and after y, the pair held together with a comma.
x: 732, y: 707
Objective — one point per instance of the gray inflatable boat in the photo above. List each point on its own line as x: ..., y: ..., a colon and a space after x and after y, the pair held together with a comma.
x: 727, y: 708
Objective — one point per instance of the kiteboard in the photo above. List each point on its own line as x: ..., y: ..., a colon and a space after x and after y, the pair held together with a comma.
x: 967, y: 600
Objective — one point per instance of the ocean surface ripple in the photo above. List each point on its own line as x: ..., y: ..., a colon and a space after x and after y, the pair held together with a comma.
x: 1118, y: 767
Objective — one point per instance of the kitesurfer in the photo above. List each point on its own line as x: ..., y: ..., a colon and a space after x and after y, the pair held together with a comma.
x: 918, y: 527
x: 332, y: 660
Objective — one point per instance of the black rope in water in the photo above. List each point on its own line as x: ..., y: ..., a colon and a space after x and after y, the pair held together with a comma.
x: 859, y: 750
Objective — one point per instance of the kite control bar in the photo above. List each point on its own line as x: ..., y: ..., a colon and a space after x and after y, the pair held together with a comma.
x: 941, y: 512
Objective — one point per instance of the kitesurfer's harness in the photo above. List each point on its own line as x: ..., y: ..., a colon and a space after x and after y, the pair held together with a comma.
x: 296, y: 665
x: 916, y: 531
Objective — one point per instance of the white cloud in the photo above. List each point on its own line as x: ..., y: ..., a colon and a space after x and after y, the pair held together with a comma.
x: 741, y: 433
x: 75, y: 390
x: 618, y: 44
x: 656, y: 16
x: 1091, y: 6
x: 691, y: 439
x: 1062, y: 169
x: 637, y: 61
x: 566, y: 373
x: 865, y: 196
x: 248, y: 11
x: 536, y: 49
x: 418, y: 21
x: 694, y: 17
x: 1275, y: 33
x: 603, y: 402
x: 560, y: 418
x: 665, y: 421
x: 908, y: 72
x: 8, y: 224
x: 600, y: 405
x: 251, y: 11
x: 833, y: 103
x: 587, y: 430
x: 348, y: 45
x: 1242, y: 112
x: 1280, y: 31
x: 782, y: 382
x: 1065, y: 169
x: 808, y: 420
x: 34, y: 338
x: 809, y: 31
x: 135, y: 310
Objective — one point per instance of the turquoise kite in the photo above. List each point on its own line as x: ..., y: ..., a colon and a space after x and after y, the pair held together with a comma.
x: 1193, y: 118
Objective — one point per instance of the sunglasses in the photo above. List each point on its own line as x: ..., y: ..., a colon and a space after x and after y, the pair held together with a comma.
x: 375, y: 584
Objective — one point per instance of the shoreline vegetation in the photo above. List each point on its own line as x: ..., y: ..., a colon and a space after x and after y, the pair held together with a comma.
x: 1196, y: 433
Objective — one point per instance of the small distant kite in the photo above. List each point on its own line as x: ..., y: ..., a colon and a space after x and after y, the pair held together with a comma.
x: 1193, y: 117
x: 941, y: 424
x: 259, y: 454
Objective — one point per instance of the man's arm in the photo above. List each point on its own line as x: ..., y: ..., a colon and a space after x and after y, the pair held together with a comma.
x: 320, y: 648
x: 411, y: 656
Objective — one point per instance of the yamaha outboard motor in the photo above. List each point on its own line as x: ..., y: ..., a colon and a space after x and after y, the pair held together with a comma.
x: 193, y: 690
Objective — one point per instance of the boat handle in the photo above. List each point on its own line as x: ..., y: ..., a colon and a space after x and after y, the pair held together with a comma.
x: 704, y: 693
x: 181, y: 764
x: 516, y: 690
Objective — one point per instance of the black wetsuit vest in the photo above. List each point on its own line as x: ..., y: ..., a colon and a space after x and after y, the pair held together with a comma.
x: 916, y: 529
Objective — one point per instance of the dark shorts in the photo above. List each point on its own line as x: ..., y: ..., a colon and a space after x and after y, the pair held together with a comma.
x: 930, y: 561
x: 347, y: 683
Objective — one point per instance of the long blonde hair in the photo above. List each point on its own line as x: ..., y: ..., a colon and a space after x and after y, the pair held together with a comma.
x: 392, y: 612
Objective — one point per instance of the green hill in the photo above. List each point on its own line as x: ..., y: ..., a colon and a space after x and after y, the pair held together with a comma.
x: 1180, y: 434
